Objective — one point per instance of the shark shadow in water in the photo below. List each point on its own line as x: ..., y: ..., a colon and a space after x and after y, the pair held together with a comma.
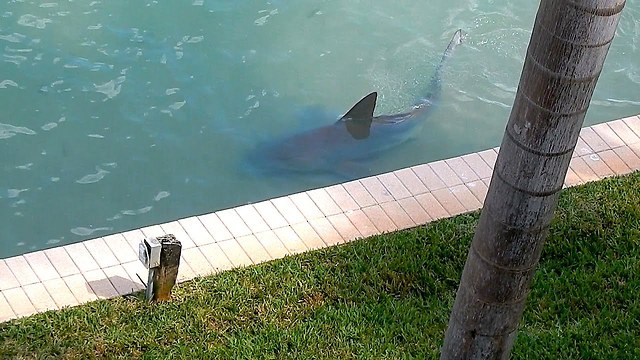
x: 339, y: 148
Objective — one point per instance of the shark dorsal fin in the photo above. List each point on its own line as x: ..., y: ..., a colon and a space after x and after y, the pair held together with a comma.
x: 358, y: 119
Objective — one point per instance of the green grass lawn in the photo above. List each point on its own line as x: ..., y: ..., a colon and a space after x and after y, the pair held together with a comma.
x: 384, y: 297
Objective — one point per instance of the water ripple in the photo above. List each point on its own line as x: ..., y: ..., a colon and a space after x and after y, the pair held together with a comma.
x: 85, y: 231
x: 13, y: 38
x: 25, y: 166
x: 33, y: 21
x: 8, y: 130
x: 14, y: 193
x: 49, y: 126
x: 93, y: 178
x: 15, y: 59
x: 161, y: 195
x: 6, y: 83
x: 493, y: 102
x: 143, y: 210
x: 263, y: 20
x: 110, y: 88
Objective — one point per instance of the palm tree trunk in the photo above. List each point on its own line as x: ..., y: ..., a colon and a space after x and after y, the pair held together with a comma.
x: 569, y: 43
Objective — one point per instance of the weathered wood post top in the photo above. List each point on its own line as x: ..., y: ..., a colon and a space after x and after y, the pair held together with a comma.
x: 161, y: 256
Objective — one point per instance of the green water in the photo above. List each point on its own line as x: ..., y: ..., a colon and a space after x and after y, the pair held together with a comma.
x: 120, y: 114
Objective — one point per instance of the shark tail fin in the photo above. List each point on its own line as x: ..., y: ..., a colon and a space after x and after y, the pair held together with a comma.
x: 436, y: 80
x: 358, y: 119
x: 456, y: 40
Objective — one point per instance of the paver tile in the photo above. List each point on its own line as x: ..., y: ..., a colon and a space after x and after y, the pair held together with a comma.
x: 270, y: 214
x: 416, y: 212
x: 397, y: 214
x: 449, y: 202
x: 376, y: 189
x: 101, y: 252
x: 466, y: 198
x: 342, y: 198
x: 345, y: 228
x: 6, y: 313
x: 326, y: 231
x: 358, y: 192
x: 324, y: 202
x: 152, y: 231
x: 394, y: 186
x: 628, y: 156
x: 120, y: 280
x: 614, y: 162
x: 196, y: 231
x: 7, y: 279
x: 197, y: 261
x: 478, y: 165
x: 292, y: 241
x: 608, y: 135
x: 598, y: 166
x: 235, y: 253
x: 462, y: 169
x: 572, y: 179
x: 252, y: 218
x: 478, y: 189
x: 489, y: 156
x: 19, y: 302
x: 133, y: 238
x: 39, y: 297
x: 234, y: 223
x: 136, y: 272
x: 120, y: 247
x: 216, y: 257
x: 635, y: 148
x: 428, y: 177
x: 185, y: 272
x: 40, y: 264
x: 594, y: 140
x: 624, y: 132
x: 288, y: 210
x: 60, y: 293
x: 431, y: 205
x: 21, y: 270
x: 411, y: 181
x: 174, y: 228
x: 272, y: 244
x: 583, y: 170
x: 446, y: 173
x: 306, y: 206
x: 215, y: 227
x: 79, y: 288
x: 99, y: 284
x: 581, y: 149
x: 633, y: 122
x: 380, y: 219
x: 254, y: 249
x: 361, y: 221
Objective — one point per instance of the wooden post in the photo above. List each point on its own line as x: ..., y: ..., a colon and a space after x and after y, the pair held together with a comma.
x: 163, y: 277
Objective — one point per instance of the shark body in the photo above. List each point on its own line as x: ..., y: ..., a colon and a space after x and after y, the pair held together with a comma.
x: 340, y: 147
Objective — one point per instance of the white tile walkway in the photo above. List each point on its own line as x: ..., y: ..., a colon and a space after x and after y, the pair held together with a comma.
x: 108, y: 267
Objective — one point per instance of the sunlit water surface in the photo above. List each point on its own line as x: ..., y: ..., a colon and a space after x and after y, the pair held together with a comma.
x: 119, y: 114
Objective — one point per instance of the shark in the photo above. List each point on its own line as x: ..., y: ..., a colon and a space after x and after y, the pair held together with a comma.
x: 342, y: 146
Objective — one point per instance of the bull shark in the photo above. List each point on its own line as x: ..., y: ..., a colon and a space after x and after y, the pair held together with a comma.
x: 341, y: 147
